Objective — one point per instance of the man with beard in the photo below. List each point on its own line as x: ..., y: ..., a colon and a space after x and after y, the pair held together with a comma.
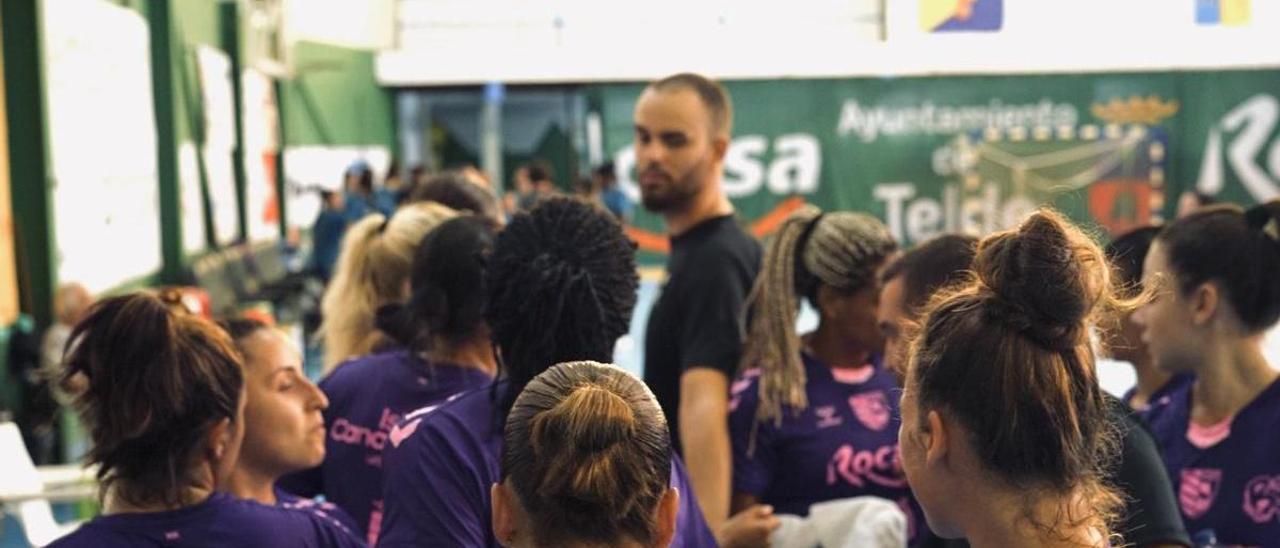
x: 694, y: 337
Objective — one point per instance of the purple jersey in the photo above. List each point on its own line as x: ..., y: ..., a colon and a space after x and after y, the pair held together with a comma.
x: 222, y: 520
x: 441, y: 463
x: 1229, y: 480
x: 844, y: 444
x: 367, y: 397
x: 325, y: 510
x: 1175, y: 382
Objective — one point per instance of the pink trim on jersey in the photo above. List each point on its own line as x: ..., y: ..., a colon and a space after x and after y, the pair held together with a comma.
x: 1204, y: 437
x: 853, y: 375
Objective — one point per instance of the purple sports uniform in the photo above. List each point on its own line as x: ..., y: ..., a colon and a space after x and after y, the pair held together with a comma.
x: 442, y: 462
x: 221, y: 520
x: 1161, y: 393
x: 324, y: 509
x: 1227, y: 476
x: 843, y: 445
x: 367, y: 397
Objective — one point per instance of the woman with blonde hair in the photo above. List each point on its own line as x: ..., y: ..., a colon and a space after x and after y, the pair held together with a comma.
x: 373, y: 271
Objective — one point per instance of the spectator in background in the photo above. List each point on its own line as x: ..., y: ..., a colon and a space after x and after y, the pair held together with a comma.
x: 372, y: 271
x: 456, y: 190
x: 542, y: 182
x: 326, y: 234
x: 70, y: 304
x: 584, y: 188
x: 394, y: 188
x: 519, y: 195
x: 357, y: 198
x: 614, y: 198
x: 1192, y: 200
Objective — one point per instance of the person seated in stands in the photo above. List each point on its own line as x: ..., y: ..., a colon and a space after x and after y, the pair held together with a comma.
x: 165, y: 411
x: 284, y: 426
x: 585, y: 462
x: 373, y: 271
x: 443, y: 348
x: 1005, y: 435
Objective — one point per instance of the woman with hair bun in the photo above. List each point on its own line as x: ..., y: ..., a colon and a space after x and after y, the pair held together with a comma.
x: 585, y: 461
x: 560, y: 286
x: 165, y: 407
x: 1216, y: 277
x: 1005, y: 436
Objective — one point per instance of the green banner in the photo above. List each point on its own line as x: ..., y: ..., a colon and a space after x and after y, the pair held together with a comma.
x: 937, y: 154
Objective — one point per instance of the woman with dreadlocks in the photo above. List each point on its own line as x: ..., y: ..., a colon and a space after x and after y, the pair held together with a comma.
x: 814, y: 417
x: 560, y: 284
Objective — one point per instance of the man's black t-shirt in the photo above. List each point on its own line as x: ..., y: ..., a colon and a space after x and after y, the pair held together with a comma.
x: 697, y: 321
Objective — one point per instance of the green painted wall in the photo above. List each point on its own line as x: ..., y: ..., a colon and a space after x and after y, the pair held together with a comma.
x: 334, y: 99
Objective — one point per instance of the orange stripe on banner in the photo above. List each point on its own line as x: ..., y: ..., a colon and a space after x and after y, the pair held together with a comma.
x: 765, y: 226
x: 648, y: 241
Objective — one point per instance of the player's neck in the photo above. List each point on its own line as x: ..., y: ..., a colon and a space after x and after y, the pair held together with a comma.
x: 1150, y: 379
x: 707, y: 204
x: 250, y: 484
x: 1235, y: 373
x: 832, y: 348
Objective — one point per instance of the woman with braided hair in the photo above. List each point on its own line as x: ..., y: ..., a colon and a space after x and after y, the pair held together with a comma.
x: 560, y: 286
x: 814, y: 417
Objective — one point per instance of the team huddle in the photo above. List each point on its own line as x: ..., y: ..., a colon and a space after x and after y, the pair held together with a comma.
x: 948, y: 394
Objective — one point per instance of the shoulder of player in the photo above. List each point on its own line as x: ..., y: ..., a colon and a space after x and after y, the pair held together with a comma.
x: 454, y: 417
x: 355, y: 373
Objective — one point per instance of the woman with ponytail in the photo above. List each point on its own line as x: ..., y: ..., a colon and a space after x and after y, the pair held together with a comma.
x: 165, y: 411
x: 585, y: 461
x: 1005, y: 433
x: 1216, y: 277
x: 444, y: 350
x: 372, y: 271
x: 814, y: 417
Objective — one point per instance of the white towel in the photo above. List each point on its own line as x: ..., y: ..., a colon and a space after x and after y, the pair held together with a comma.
x: 861, y: 522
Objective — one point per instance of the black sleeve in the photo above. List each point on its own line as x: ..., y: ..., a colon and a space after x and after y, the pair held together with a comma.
x: 1151, y: 515
x: 711, y: 322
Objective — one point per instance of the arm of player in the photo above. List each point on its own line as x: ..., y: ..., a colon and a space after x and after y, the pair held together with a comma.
x: 704, y: 434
